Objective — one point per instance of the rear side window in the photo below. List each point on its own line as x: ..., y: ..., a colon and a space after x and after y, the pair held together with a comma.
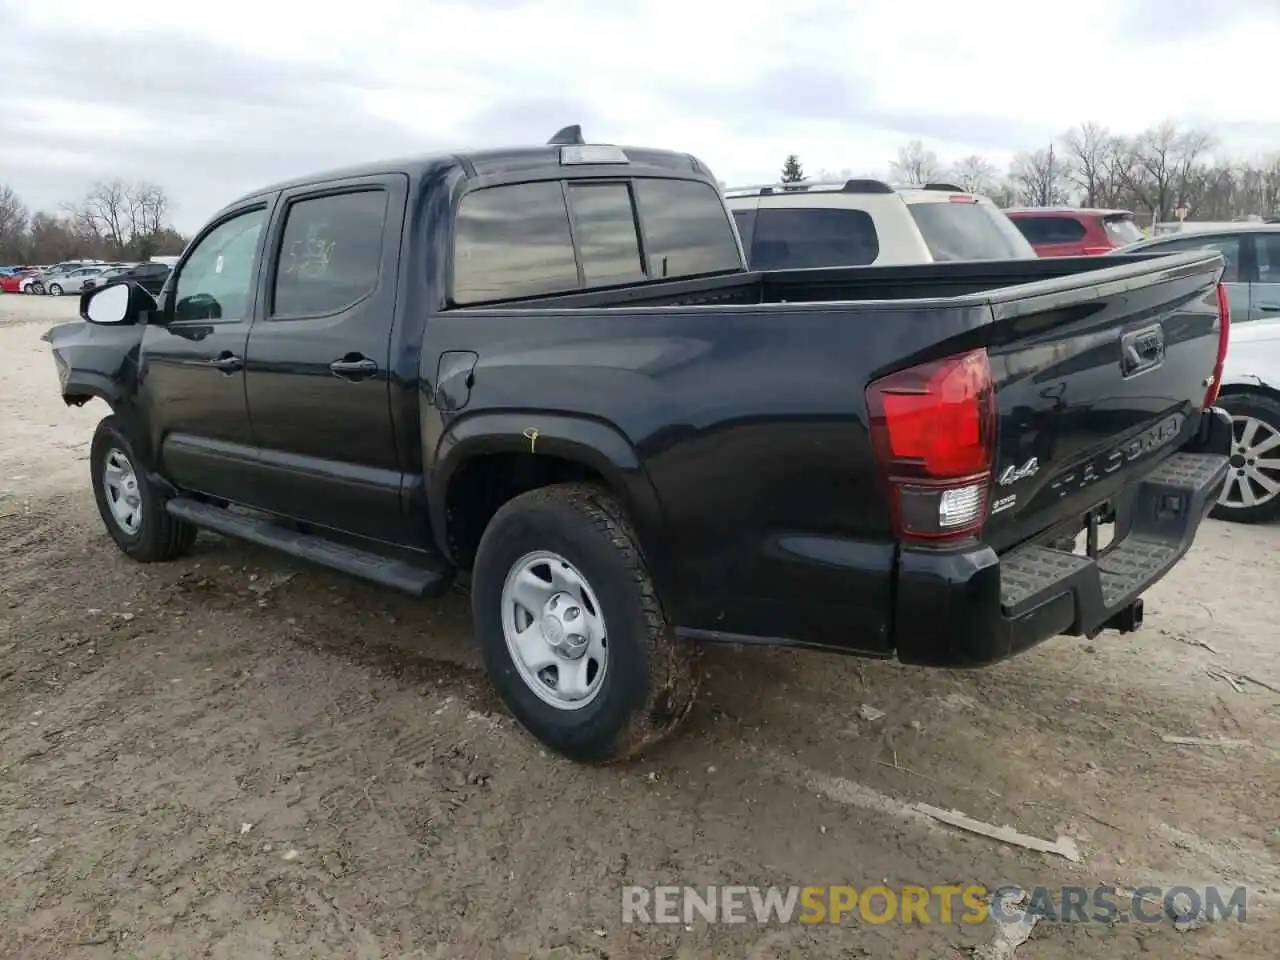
x: 604, y: 226
x: 1045, y: 230
x: 331, y: 253
x: 794, y: 238
x: 686, y: 229
x: 513, y: 241
x: 1121, y: 230
x: 969, y: 231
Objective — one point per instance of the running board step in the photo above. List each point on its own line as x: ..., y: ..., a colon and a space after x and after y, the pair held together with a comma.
x: 397, y: 574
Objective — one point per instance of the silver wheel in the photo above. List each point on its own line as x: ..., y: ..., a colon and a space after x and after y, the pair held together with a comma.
x: 1255, y: 464
x: 55, y: 290
x: 555, y: 630
x: 120, y: 484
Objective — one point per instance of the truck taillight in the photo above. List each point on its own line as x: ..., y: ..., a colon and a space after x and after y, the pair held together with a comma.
x: 1224, y: 340
x: 1096, y: 251
x: 933, y: 427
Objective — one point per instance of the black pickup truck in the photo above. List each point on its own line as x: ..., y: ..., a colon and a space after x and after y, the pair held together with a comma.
x: 548, y: 370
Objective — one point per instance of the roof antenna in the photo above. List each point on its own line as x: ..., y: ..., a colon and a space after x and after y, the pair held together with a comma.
x: 567, y: 135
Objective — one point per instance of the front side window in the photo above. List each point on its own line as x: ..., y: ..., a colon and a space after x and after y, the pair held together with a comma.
x: 216, y: 282
x: 511, y: 242
x: 1268, y: 247
x: 686, y: 229
x: 331, y: 253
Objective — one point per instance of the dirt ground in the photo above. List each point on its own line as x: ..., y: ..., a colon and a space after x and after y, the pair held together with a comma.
x: 238, y: 756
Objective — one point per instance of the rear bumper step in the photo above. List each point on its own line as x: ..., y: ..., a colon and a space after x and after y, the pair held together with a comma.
x: 973, y: 608
x: 1169, y: 505
x: 388, y: 571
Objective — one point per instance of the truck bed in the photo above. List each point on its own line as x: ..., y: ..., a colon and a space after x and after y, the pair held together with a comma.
x: 744, y: 399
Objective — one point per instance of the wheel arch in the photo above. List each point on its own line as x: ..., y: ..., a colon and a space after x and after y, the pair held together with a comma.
x: 484, y: 460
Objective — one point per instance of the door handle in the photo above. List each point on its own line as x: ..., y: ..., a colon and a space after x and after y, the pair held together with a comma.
x: 354, y: 367
x: 226, y: 361
x: 1269, y: 307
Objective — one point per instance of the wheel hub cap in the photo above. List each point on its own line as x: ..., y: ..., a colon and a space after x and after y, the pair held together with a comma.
x: 555, y: 630
x: 120, y: 485
x: 1255, y: 464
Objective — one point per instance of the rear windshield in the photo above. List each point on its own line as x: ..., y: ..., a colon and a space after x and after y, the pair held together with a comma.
x: 969, y: 231
x: 793, y: 238
x: 1122, y: 230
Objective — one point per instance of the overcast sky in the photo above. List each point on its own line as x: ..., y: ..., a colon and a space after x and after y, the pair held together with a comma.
x: 213, y: 100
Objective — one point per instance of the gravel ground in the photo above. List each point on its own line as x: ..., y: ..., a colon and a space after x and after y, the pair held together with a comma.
x: 238, y: 756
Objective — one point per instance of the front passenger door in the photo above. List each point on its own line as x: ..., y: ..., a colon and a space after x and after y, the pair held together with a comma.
x: 191, y: 368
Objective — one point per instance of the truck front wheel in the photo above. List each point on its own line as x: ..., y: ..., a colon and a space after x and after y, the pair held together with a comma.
x: 131, y: 506
x: 570, y: 629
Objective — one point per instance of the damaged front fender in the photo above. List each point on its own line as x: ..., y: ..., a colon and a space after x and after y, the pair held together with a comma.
x: 96, y: 360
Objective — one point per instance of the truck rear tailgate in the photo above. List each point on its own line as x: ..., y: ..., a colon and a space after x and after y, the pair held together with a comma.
x: 1095, y: 386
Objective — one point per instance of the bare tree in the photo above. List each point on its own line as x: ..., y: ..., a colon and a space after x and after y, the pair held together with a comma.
x: 1040, y: 177
x: 13, y: 223
x: 1089, y: 147
x: 915, y: 164
x: 106, y: 212
x: 975, y: 173
x: 148, y: 205
x: 1162, y: 169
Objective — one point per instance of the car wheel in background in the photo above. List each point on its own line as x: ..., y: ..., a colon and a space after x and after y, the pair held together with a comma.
x: 35, y: 289
x: 55, y: 289
x: 1252, y: 492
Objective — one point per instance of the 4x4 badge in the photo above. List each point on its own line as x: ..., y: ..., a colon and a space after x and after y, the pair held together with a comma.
x: 1014, y: 474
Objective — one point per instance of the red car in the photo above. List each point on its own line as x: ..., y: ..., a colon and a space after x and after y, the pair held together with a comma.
x: 1075, y: 231
x: 12, y: 282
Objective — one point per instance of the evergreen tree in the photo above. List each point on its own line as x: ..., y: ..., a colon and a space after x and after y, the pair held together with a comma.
x: 792, y: 172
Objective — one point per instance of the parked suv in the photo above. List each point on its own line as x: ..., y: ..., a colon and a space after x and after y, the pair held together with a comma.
x: 1075, y: 232
x: 862, y: 222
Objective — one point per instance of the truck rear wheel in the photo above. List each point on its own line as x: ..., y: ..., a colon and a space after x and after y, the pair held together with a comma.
x: 1252, y: 492
x: 571, y: 631
x: 131, y: 507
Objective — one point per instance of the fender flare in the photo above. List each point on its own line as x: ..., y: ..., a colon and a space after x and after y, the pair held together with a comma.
x: 592, y: 443
x: 85, y: 384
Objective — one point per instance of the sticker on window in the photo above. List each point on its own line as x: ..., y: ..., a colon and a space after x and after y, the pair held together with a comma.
x: 217, y: 264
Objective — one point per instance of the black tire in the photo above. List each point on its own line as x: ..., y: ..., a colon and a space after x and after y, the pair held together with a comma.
x: 1259, y: 406
x: 651, y: 680
x: 37, y: 289
x: 159, y: 535
x: 55, y: 289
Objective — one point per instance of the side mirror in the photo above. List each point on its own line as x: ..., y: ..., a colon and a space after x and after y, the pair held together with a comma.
x: 115, y: 303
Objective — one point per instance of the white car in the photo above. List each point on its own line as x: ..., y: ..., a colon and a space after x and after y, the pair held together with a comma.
x: 863, y: 222
x: 1251, y: 394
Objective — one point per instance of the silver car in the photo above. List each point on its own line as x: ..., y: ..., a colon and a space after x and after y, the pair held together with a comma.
x: 1252, y: 253
x: 72, y: 281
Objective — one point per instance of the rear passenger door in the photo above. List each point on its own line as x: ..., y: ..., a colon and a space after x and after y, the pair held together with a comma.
x: 318, y: 358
